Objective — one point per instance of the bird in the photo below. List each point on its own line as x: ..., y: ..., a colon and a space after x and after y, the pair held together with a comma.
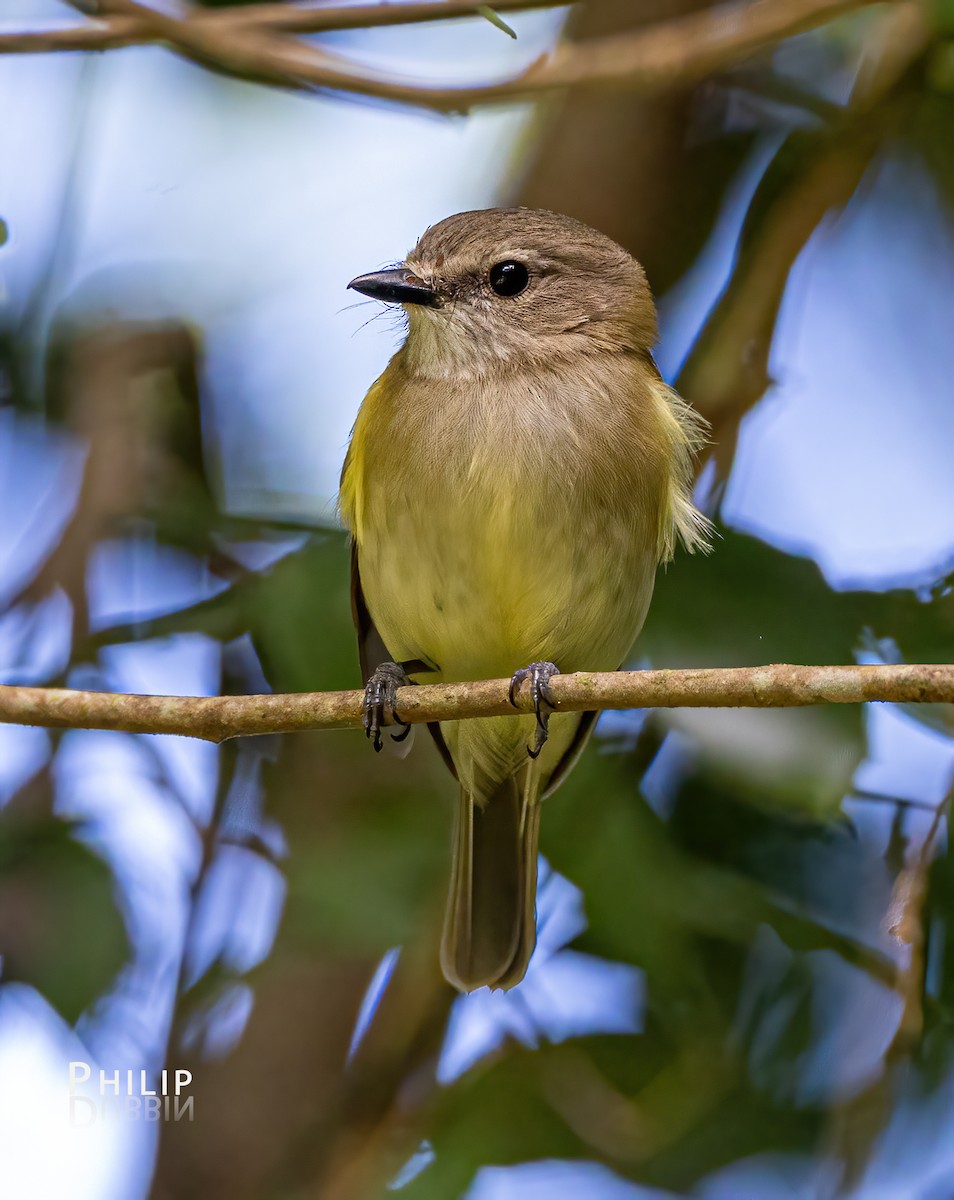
x: 512, y: 481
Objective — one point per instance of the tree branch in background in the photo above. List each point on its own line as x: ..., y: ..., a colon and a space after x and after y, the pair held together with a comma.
x: 293, y: 18
x: 254, y: 45
x: 127, y: 25
x: 858, y: 1121
x: 813, y: 173
x: 217, y: 718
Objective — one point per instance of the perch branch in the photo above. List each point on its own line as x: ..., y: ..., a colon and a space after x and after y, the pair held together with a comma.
x: 217, y: 718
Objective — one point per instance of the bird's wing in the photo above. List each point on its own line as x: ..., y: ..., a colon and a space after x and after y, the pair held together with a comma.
x: 372, y: 650
x: 573, y: 752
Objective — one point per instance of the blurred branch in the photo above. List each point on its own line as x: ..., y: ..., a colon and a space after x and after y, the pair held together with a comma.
x: 128, y: 25
x: 905, y: 922
x: 391, y: 1078
x: 217, y: 718
x: 813, y: 173
x: 292, y: 18
x: 859, y: 1122
x: 98, y: 388
x: 634, y: 1130
x: 252, y: 43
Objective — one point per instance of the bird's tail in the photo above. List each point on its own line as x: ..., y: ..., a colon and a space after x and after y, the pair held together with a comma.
x: 490, y: 924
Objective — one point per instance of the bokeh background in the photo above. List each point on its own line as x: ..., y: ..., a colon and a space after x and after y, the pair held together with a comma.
x: 744, y: 986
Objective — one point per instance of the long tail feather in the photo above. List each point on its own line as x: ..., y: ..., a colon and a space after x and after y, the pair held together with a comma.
x: 490, y: 925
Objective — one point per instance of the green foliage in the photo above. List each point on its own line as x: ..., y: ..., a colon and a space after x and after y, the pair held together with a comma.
x: 60, y: 929
x: 749, y: 602
x: 368, y: 882
x: 943, y: 13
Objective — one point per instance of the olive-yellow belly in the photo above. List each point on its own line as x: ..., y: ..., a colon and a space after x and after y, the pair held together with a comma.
x: 478, y: 586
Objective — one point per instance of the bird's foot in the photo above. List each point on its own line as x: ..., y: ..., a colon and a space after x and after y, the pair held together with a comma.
x: 380, y: 697
x: 539, y: 674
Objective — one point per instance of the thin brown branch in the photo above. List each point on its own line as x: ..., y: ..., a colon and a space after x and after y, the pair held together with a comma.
x: 106, y: 34
x: 131, y: 27
x: 294, y: 18
x: 216, y: 718
x: 673, y: 54
x: 906, y: 923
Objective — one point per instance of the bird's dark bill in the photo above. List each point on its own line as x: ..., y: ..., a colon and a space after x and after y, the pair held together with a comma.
x: 398, y: 286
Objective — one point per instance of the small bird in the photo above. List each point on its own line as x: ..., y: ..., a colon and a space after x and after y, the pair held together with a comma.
x: 513, y: 479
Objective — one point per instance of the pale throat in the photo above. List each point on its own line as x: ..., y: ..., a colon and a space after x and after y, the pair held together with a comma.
x: 457, y: 343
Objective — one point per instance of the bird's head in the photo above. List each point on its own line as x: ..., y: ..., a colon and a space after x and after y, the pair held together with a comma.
x: 507, y: 288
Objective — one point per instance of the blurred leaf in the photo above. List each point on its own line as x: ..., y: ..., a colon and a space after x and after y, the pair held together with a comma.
x: 661, y: 1119
x: 796, y: 761
x: 4, y: 232
x: 930, y: 127
x: 650, y: 902
x: 940, y: 68
x: 743, y: 1125
x: 816, y: 868
x: 291, y: 611
x: 496, y: 19
x: 298, y: 613
x: 943, y: 14
x: 496, y: 1114
x: 748, y: 603
x: 368, y: 881
x: 60, y: 930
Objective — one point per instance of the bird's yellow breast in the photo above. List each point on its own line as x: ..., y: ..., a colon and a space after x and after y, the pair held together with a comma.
x: 509, y: 519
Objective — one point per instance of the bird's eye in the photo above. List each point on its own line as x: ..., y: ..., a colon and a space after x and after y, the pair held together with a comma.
x: 509, y: 278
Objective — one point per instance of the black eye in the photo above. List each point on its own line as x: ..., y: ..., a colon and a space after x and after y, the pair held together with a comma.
x: 509, y: 278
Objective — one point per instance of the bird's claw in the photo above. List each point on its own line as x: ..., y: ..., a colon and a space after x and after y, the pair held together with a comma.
x: 380, y: 697
x: 539, y: 674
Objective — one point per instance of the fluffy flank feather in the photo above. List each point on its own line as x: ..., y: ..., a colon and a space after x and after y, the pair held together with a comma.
x: 686, y: 433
